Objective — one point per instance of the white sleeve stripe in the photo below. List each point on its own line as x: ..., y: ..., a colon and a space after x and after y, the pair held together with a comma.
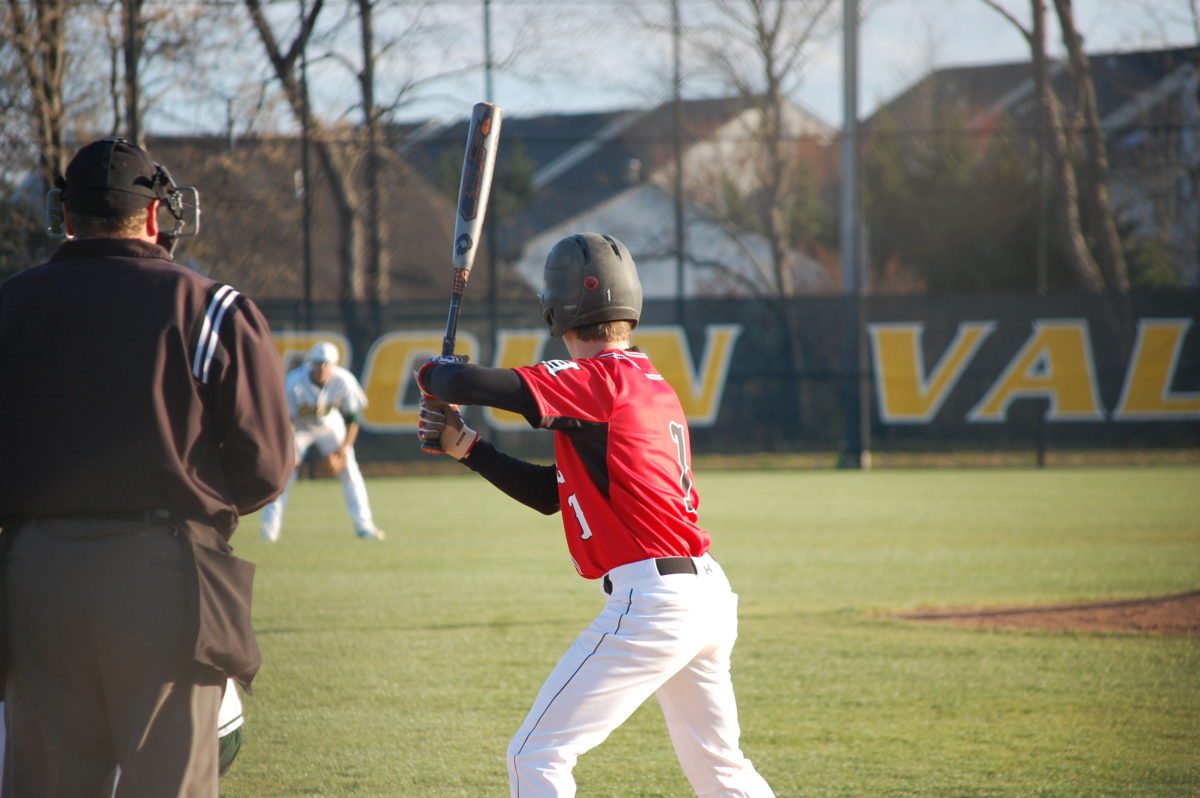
x: 206, y: 346
x: 203, y: 342
x: 214, y: 340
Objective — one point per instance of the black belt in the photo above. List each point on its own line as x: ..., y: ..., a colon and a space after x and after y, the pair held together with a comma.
x: 675, y: 565
x: 665, y: 566
x: 157, y: 515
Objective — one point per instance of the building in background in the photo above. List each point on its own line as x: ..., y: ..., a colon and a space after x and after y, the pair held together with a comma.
x: 615, y: 171
x: 1149, y: 107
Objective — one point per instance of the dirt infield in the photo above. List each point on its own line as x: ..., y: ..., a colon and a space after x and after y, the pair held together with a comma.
x: 1167, y: 615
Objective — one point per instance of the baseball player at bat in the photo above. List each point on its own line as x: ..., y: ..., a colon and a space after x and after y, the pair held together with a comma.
x: 324, y: 401
x: 622, y: 481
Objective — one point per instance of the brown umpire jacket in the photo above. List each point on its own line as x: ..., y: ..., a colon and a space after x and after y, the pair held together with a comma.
x: 130, y: 383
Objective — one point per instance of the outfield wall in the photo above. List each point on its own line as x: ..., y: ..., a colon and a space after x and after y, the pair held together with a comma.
x: 952, y: 372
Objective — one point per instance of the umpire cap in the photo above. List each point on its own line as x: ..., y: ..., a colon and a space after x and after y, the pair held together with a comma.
x: 111, y: 177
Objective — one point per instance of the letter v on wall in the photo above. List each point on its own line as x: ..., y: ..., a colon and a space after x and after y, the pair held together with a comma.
x: 903, y: 390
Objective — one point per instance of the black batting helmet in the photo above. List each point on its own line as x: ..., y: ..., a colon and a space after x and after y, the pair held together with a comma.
x: 589, y: 278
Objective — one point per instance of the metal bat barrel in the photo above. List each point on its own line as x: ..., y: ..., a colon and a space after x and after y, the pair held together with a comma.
x: 474, y: 188
x: 475, y: 185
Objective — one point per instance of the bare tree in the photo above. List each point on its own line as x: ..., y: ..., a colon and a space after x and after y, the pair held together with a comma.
x: 38, y: 33
x: 334, y: 163
x: 1101, y: 265
x: 349, y: 136
x: 150, y: 50
x: 1107, y: 246
x: 759, y: 48
x: 750, y: 181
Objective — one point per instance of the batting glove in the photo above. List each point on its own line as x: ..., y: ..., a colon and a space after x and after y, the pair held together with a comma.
x: 422, y: 375
x: 442, y: 429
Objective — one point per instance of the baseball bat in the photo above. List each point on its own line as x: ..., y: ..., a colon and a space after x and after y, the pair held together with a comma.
x: 474, y: 187
x: 479, y: 162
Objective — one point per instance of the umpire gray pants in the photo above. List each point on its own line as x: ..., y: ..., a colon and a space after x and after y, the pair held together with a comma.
x: 101, y: 671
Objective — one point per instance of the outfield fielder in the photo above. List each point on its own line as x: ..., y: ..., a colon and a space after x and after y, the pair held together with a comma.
x: 623, y: 481
x: 325, y: 400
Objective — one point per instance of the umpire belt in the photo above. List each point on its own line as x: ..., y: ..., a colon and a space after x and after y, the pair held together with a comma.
x: 665, y: 566
x: 100, y: 523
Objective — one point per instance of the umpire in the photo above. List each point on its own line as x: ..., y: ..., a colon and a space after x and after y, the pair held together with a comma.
x: 141, y: 412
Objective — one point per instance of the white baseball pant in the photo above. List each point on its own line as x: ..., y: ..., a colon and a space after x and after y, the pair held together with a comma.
x: 670, y: 636
x: 327, y: 439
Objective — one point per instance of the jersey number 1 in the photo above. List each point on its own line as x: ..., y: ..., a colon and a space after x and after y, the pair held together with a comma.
x: 679, y: 435
x: 583, y: 524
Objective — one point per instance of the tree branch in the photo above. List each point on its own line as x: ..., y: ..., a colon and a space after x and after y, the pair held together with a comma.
x: 1016, y: 23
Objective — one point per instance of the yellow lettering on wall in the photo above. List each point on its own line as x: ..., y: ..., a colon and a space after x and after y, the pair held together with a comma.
x: 700, y: 391
x: 904, y: 392
x: 387, y: 377
x: 1055, y: 363
x: 293, y: 346
x: 515, y: 348
x: 1147, y: 394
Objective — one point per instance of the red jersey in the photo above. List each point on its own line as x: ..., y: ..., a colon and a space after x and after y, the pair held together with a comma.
x: 624, y: 460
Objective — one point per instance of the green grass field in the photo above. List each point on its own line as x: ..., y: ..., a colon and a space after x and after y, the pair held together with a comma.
x: 402, y: 668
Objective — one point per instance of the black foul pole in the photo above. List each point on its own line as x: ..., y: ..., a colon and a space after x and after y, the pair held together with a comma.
x: 857, y: 404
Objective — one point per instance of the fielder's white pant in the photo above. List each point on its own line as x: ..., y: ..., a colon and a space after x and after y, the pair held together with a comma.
x: 327, y: 438
x: 670, y: 636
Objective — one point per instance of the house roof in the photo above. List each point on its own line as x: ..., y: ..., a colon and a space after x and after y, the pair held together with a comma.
x: 1119, y: 77
x: 981, y: 93
x: 1148, y: 107
x: 252, y: 232
x: 722, y: 264
x: 581, y: 160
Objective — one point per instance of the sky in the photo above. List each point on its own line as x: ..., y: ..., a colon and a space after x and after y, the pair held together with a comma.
x: 612, y: 64
x: 577, y: 56
x: 902, y: 40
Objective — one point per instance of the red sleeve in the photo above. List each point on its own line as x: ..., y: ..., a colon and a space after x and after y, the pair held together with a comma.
x: 568, y: 390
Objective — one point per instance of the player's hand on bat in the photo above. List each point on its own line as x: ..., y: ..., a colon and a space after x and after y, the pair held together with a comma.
x: 432, y: 421
x: 437, y: 361
x: 442, y: 428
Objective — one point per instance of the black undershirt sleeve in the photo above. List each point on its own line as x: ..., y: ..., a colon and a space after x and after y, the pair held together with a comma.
x: 531, y: 484
x: 478, y: 385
